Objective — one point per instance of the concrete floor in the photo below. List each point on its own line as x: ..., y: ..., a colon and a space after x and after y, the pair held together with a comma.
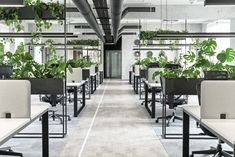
x: 113, y: 124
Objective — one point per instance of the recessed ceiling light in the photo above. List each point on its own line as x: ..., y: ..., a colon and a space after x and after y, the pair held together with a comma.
x: 12, y: 3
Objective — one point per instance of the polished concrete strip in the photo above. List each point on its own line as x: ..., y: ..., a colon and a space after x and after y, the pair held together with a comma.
x: 114, y: 125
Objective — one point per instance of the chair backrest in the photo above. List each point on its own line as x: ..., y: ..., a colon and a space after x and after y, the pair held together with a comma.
x: 75, y: 76
x: 217, y: 97
x: 15, y: 96
x: 211, y: 75
x: 137, y: 69
x: 150, y: 78
x: 92, y: 69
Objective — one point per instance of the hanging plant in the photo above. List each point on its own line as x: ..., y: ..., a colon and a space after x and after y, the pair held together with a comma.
x: 10, y: 15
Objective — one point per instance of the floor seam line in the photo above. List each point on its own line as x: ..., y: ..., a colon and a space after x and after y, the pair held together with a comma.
x: 93, y: 120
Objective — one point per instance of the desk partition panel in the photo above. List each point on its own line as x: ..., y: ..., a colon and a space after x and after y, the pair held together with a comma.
x: 15, y: 99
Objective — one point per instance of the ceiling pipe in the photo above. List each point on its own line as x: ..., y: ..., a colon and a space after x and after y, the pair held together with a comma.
x: 116, y: 13
x: 85, y: 9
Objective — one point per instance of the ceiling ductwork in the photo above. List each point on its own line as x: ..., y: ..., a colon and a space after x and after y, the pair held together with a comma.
x: 116, y: 13
x: 85, y: 9
x: 101, y: 7
x: 138, y: 10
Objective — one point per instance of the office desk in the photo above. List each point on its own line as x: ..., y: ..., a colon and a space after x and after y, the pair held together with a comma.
x: 136, y: 80
x: 101, y: 77
x: 75, y: 87
x: 188, y: 111
x: 153, y: 86
x: 10, y: 127
x: 93, y: 83
x: 221, y: 128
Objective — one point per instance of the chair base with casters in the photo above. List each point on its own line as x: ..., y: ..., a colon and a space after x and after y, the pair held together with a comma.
x: 158, y: 91
x: 9, y: 152
x: 54, y: 116
x: 52, y: 111
x: 170, y: 118
x: 217, y: 152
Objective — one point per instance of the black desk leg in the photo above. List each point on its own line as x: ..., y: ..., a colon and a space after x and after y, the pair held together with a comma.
x: 129, y: 77
x: 100, y: 77
x: 146, y: 94
x: 84, y: 94
x: 92, y: 81
x: 233, y: 150
x: 153, y: 102
x: 134, y: 84
x: 45, y: 135
x: 83, y: 99
x: 95, y: 83
x: 137, y: 85
x: 75, y: 109
x: 185, y: 135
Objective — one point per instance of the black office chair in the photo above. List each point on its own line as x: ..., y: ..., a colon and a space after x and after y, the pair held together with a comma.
x: 54, y: 100
x: 6, y: 71
x: 218, y: 151
x: 173, y: 101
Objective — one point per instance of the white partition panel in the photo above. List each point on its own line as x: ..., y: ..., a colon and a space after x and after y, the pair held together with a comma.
x: 75, y: 76
x: 15, y: 98
x: 217, y: 97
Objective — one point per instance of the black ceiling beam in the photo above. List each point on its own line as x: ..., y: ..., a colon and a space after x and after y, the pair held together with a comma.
x: 129, y: 27
x: 137, y: 10
x: 43, y: 35
x: 72, y: 10
x: 219, y: 2
x: 82, y: 27
x: 11, y: 3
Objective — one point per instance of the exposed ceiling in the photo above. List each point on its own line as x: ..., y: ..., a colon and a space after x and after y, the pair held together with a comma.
x: 175, y: 11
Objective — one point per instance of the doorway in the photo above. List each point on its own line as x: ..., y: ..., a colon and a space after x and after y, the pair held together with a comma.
x: 113, y: 63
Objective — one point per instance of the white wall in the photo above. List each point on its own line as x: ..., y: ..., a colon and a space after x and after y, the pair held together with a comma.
x: 127, y: 54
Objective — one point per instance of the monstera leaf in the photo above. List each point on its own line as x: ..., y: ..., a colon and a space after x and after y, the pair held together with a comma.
x: 227, y: 55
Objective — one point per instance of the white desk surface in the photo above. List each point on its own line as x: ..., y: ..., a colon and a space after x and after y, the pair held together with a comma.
x: 10, y: 127
x: 93, y: 74
x: 136, y: 74
x: 152, y: 85
x: 222, y: 128
x: 193, y: 111
x: 75, y: 84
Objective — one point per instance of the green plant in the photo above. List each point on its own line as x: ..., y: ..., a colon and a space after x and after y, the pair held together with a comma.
x: 80, y: 63
x: 207, y: 59
x: 21, y: 61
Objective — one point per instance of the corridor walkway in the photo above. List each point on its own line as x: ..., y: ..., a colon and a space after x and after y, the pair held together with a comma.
x: 113, y: 125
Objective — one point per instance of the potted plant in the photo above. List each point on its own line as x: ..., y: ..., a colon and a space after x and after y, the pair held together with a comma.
x: 183, y: 81
x: 45, y: 78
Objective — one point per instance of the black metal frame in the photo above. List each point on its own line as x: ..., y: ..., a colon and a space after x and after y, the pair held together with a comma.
x: 75, y: 90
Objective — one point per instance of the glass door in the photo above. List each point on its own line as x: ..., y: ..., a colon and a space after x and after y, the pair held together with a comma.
x: 114, y: 64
